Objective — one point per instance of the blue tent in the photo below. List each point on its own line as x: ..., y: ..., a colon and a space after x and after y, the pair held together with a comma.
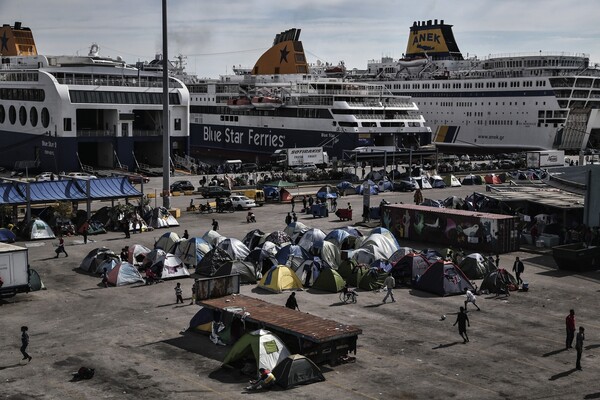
x: 7, y: 236
x: 291, y: 251
x: 337, y: 236
x: 373, y: 188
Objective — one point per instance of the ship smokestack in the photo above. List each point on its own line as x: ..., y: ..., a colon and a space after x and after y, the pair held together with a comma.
x: 17, y: 25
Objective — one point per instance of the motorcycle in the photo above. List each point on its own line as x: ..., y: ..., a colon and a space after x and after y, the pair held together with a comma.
x: 206, y: 208
x: 225, y: 206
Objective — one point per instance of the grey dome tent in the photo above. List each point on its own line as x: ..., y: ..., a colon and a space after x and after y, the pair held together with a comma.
x: 296, y: 370
x: 235, y: 248
x: 244, y: 269
x: 443, y: 278
x: 496, y: 280
x: 476, y: 266
x: 212, y: 261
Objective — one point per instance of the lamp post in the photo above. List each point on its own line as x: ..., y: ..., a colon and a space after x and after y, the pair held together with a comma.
x: 166, y: 122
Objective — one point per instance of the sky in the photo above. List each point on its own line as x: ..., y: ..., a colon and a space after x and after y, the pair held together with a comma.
x: 215, y: 35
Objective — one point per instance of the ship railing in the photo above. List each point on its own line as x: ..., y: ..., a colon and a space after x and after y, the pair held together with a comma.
x: 94, y: 132
x: 147, y: 132
x: 128, y: 82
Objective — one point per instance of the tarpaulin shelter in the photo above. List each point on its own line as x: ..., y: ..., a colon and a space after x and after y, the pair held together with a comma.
x: 444, y: 278
x: 235, y: 248
x: 167, y: 242
x: 296, y: 370
x: 124, y: 274
x: 476, y: 266
x: 261, y: 345
x: 329, y: 281
x: 192, y: 250
x: 280, y: 278
x: 212, y: 261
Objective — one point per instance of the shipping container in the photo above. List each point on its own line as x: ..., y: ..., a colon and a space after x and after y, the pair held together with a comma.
x: 14, y: 270
x: 481, y: 232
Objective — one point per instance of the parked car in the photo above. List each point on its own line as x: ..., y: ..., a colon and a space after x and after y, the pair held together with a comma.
x: 405, y: 185
x: 242, y: 202
x: 214, y: 191
x: 137, y: 178
x: 181, y: 186
x: 305, y: 168
x: 81, y: 175
x: 249, y: 167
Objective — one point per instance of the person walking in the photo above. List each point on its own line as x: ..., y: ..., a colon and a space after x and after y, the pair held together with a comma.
x: 518, y: 269
x: 471, y: 298
x: 288, y: 219
x: 215, y: 225
x: 194, y: 292
x: 462, y: 320
x: 25, y: 343
x: 579, y: 346
x: 333, y: 205
x: 292, y: 303
x: 389, y: 283
x: 84, y: 230
x: 293, y: 201
x: 418, y: 197
x: 570, y: 323
x: 61, y: 247
x: 304, y: 204
x: 178, y: 294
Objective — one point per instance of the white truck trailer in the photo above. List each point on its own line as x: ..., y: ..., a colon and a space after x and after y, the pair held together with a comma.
x: 545, y: 158
x: 14, y: 270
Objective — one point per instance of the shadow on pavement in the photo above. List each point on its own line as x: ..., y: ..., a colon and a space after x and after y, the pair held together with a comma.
x: 554, y: 352
x: 11, y: 366
x: 562, y: 374
x: 592, y: 396
x: 198, y: 344
x: 443, y: 346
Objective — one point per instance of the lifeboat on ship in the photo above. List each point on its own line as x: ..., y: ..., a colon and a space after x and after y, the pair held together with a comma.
x: 266, y: 102
x: 412, y: 62
x: 240, y: 103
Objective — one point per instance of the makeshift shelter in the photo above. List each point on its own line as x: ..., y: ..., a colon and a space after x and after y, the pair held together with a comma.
x: 37, y: 229
x: 330, y: 254
x: 454, y: 202
x: 160, y: 217
x: 437, y: 182
x: 94, y: 258
x: 192, y: 251
x: 432, y: 203
x: 280, y: 238
x: 312, y: 238
x: 235, y: 248
x: 253, y: 238
x: 167, y: 242
x: 409, y: 266
x: 137, y: 253
x: 280, y: 278
x: 372, y: 279
x: 497, y: 280
x: 296, y: 370
x: 327, y: 192
x: 476, y: 266
x: 35, y: 281
x: 472, y: 180
x: 170, y: 267
x: 212, y: 237
x: 443, y: 278
x: 244, y: 269
x: 329, y: 281
x: 451, y: 181
x: 262, y: 346
x: 7, y: 236
x: 202, y: 321
x: 212, y: 261
x: 124, y: 274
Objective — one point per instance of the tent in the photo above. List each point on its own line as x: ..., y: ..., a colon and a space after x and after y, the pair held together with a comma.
x: 295, y: 230
x: 202, y: 321
x: 327, y: 192
x: 280, y: 238
x: 346, y: 267
x: 409, y: 266
x: 253, y: 238
x: 170, y: 267
x: 152, y: 257
x: 451, y: 181
x: 280, y: 278
x: 280, y: 184
x: 363, y: 256
x: 235, y: 248
x: 432, y: 203
x: 96, y: 257
x: 309, y: 270
x: 401, y: 252
x: 7, y: 236
x: 437, y: 182
x: 373, y: 188
x: 167, y: 242
x: 356, y: 275
x: 296, y: 370
x: 312, y: 238
x: 382, y: 245
x: 330, y: 254
x: 244, y: 269
x: 137, y: 253
x: 261, y: 345
x: 212, y: 237
x: 329, y: 281
x: 212, y: 261
x: 192, y: 251
x: 37, y: 229
x: 492, y: 179
x: 432, y: 255
x: 497, y: 279
x: 423, y: 182
x: 372, y: 279
x: 291, y: 254
x: 454, y: 202
x: 160, y: 217
x: 35, y: 281
x: 337, y: 237
x: 124, y: 274
x: 443, y: 278
x: 476, y: 266
x: 472, y: 180
x: 107, y: 264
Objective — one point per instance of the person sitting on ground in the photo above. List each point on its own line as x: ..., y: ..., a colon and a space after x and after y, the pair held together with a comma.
x: 150, y: 276
x: 266, y: 380
x: 250, y: 217
x: 291, y: 302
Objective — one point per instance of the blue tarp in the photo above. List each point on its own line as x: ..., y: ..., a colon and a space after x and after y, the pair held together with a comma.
x: 67, y: 190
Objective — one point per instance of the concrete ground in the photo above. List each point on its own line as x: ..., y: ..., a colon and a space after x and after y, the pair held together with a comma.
x: 134, y: 336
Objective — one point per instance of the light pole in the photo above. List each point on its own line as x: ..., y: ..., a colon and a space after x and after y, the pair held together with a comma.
x: 166, y: 139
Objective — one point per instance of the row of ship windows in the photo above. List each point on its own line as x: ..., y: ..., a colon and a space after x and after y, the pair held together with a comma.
x: 468, y: 85
x: 469, y: 104
x: 493, y: 123
x: 33, y: 116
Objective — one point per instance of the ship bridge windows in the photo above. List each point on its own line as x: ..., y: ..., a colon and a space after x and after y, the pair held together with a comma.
x: 22, y: 94
x: 347, y: 124
x: 90, y: 96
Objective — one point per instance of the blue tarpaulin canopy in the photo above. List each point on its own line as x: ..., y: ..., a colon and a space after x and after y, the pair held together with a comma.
x: 14, y: 193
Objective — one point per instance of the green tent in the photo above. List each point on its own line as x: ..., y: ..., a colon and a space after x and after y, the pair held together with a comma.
x: 346, y: 267
x: 357, y: 274
x: 372, y: 279
x: 35, y: 281
x: 329, y: 281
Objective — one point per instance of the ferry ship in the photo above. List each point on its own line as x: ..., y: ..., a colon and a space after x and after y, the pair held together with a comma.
x: 58, y: 112
x: 283, y: 102
x: 500, y: 103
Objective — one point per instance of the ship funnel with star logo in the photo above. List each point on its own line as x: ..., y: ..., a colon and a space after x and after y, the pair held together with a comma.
x: 285, y: 57
x: 16, y: 41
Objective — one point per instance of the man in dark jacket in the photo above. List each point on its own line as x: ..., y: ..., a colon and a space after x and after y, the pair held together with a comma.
x: 518, y: 269
x: 292, y: 303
